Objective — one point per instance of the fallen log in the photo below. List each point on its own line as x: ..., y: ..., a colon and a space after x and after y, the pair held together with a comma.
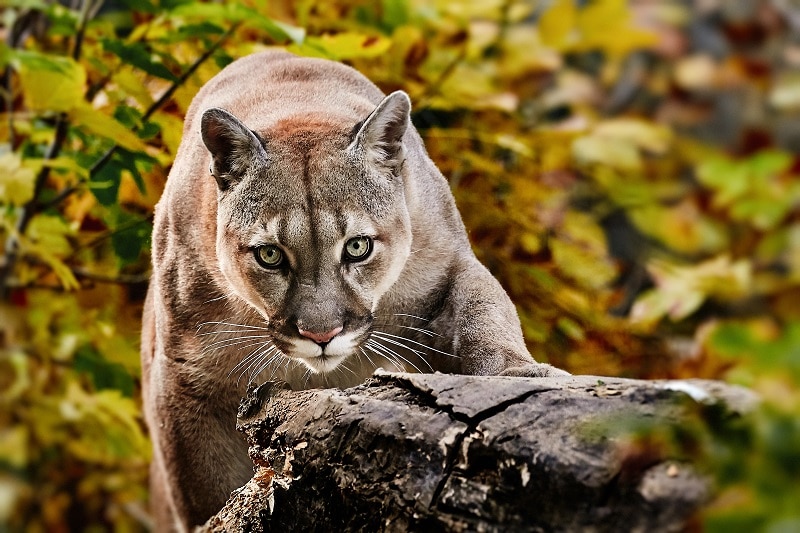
x: 465, y: 453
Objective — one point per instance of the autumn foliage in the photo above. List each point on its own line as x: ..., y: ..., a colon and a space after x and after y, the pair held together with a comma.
x: 628, y: 169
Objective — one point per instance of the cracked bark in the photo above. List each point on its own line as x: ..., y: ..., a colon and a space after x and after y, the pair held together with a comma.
x: 464, y: 453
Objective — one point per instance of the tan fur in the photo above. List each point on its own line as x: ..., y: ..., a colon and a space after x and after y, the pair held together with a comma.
x: 331, y: 162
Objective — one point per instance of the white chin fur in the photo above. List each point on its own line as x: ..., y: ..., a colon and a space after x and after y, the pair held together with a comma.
x: 310, y: 354
x: 322, y: 364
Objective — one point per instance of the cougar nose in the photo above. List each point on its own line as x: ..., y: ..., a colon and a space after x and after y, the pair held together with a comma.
x: 320, y: 338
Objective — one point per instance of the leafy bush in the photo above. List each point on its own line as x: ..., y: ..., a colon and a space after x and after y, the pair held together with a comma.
x: 627, y: 169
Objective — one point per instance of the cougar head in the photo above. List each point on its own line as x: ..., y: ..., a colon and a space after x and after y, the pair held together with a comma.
x: 312, y: 224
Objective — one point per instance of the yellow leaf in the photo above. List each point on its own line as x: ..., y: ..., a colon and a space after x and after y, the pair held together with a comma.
x: 64, y: 163
x: 683, y: 227
x: 681, y: 290
x: 47, y: 240
x: 582, y: 229
x: 617, y: 153
x: 133, y: 85
x: 347, y: 45
x: 582, y: 265
x: 645, y: 135
x: 51, y: 232
x: 95, y: 121
x: 696, y: 72
x: 59, y: 268
x: 16, y: 180
x: 110, y: 425
x: 12, y: 490
x: 16, y: 373
x: 171, y: 130
x: 14, y: 446
x: 557, y: 24
x: 530, y: 243
x: 49, y: 83
x: 609, y: 26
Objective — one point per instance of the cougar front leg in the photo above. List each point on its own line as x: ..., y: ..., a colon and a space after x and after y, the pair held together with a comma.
x: 488, y: 332
x: 201, y: 458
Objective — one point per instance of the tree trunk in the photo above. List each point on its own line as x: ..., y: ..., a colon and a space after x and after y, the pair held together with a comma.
x: 438, y: 452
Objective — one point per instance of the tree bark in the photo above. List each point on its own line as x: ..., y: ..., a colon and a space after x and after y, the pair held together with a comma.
x: 464, y: 453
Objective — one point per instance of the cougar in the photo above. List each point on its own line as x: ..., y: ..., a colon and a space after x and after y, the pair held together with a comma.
x: 324, y: 244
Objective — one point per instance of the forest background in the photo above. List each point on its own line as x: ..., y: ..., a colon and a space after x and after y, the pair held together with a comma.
x: 628, y: 169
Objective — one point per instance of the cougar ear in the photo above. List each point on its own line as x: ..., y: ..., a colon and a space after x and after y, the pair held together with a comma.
x: 233, y: 146
x: 380, y: 137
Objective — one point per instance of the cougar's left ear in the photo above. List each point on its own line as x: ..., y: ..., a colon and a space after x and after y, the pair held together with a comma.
x: 234, y: 147
x: 380, y: 138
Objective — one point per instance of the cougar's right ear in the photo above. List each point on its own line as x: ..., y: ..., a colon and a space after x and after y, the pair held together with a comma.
x: 380, y: 137
x: 233, y: 146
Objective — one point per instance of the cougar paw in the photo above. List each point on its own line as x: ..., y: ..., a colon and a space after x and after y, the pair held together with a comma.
x: 535, y: 370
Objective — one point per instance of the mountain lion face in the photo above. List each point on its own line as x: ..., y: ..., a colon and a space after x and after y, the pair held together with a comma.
x: 312, y: 224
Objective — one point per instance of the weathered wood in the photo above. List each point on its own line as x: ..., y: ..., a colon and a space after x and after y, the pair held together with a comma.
x: 463, y: 453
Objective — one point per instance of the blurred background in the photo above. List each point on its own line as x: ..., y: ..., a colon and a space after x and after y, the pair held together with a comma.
x: 629, y: 170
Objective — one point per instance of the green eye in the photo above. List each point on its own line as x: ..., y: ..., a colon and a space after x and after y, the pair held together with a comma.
x: 357, y: 248
x: 269, y: 256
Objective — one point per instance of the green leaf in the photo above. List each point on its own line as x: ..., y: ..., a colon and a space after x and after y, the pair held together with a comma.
x: 104, y: 184
x: 104, y: 374
x: 230, y: 12
x: 195, y: 31
x: 97, y: 122
x: 129, y: 244
x: 395, y: 13
x: 138, y: 55
x: 570, y: 328
x: 769, y: 163
x: 279, y: 31
x: 730, y: 179
x: 144, y: 6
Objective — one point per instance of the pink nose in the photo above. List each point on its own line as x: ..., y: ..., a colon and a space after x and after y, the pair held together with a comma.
x: 320, y: 338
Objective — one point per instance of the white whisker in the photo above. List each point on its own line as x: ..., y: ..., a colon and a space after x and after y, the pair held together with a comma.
x: 413, y: 316
x: 371, y: 346
x: 394, y: 353
x: 231, y: 324
x: 273, y: 357
x: 238, y: 340
x: 256, y: 362
x: 252, y: 359
x: 424, y: 331
x: 383, y: 335
x: 261, y: 347
x: 361, y: 349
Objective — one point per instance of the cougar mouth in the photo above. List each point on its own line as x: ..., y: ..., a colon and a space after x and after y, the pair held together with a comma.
x: 322, y: 363
x: 324, y: 357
